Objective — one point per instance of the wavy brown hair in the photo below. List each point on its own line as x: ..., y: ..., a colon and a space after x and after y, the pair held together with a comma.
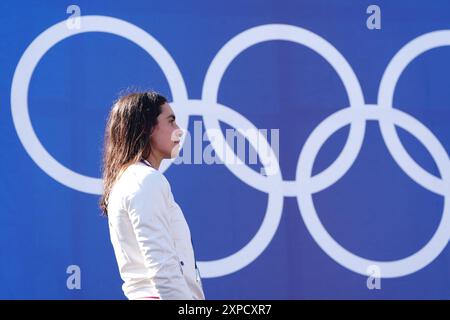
x: 127, y: 136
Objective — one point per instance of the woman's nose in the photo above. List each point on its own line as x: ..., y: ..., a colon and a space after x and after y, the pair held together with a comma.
x: 178, y: 133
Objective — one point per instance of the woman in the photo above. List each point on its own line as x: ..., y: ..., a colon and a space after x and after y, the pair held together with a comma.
x: 148, y: 231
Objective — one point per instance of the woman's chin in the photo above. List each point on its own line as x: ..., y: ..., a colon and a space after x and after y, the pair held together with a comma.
x: 174, y: 152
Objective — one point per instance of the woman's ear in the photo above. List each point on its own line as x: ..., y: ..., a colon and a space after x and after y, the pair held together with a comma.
x: 151, y: 131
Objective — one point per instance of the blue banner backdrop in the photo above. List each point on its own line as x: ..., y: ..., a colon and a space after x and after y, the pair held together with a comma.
x: 357, y: 118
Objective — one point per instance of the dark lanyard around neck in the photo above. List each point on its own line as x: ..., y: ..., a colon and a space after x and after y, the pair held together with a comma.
x: 146, y: 163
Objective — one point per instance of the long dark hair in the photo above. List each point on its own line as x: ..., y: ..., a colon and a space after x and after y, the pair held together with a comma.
x: 127, y: 136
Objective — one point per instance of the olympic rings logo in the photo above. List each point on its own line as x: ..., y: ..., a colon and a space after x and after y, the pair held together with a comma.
x: 305, y: 185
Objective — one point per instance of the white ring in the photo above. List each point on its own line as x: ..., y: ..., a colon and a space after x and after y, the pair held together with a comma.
x: 31, y: 57
x: 271, y: 221
x: 321, y: 133
x: 385, y: 100
x: 304, y: 37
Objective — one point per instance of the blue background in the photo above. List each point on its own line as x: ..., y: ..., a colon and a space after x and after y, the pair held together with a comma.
x: 375, y: 210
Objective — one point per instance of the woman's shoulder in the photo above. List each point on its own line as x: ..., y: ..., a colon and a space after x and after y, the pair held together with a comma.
x: 139, y: 176
x: 138, y: 182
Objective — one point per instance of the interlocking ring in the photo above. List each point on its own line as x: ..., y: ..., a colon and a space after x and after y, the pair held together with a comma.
x: 305, y: 185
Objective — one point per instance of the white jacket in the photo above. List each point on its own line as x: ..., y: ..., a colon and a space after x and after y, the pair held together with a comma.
x: 150, y: 237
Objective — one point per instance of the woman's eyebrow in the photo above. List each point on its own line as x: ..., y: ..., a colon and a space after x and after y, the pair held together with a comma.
x: 171, y: 116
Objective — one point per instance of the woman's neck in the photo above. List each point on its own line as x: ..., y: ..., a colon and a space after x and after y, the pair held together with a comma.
x: 154, y: 161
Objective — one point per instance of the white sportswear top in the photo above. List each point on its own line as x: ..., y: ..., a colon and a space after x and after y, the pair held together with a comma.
x: 150, y: 237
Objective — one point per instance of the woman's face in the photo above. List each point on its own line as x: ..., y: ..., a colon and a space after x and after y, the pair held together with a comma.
x: 165, y: 138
